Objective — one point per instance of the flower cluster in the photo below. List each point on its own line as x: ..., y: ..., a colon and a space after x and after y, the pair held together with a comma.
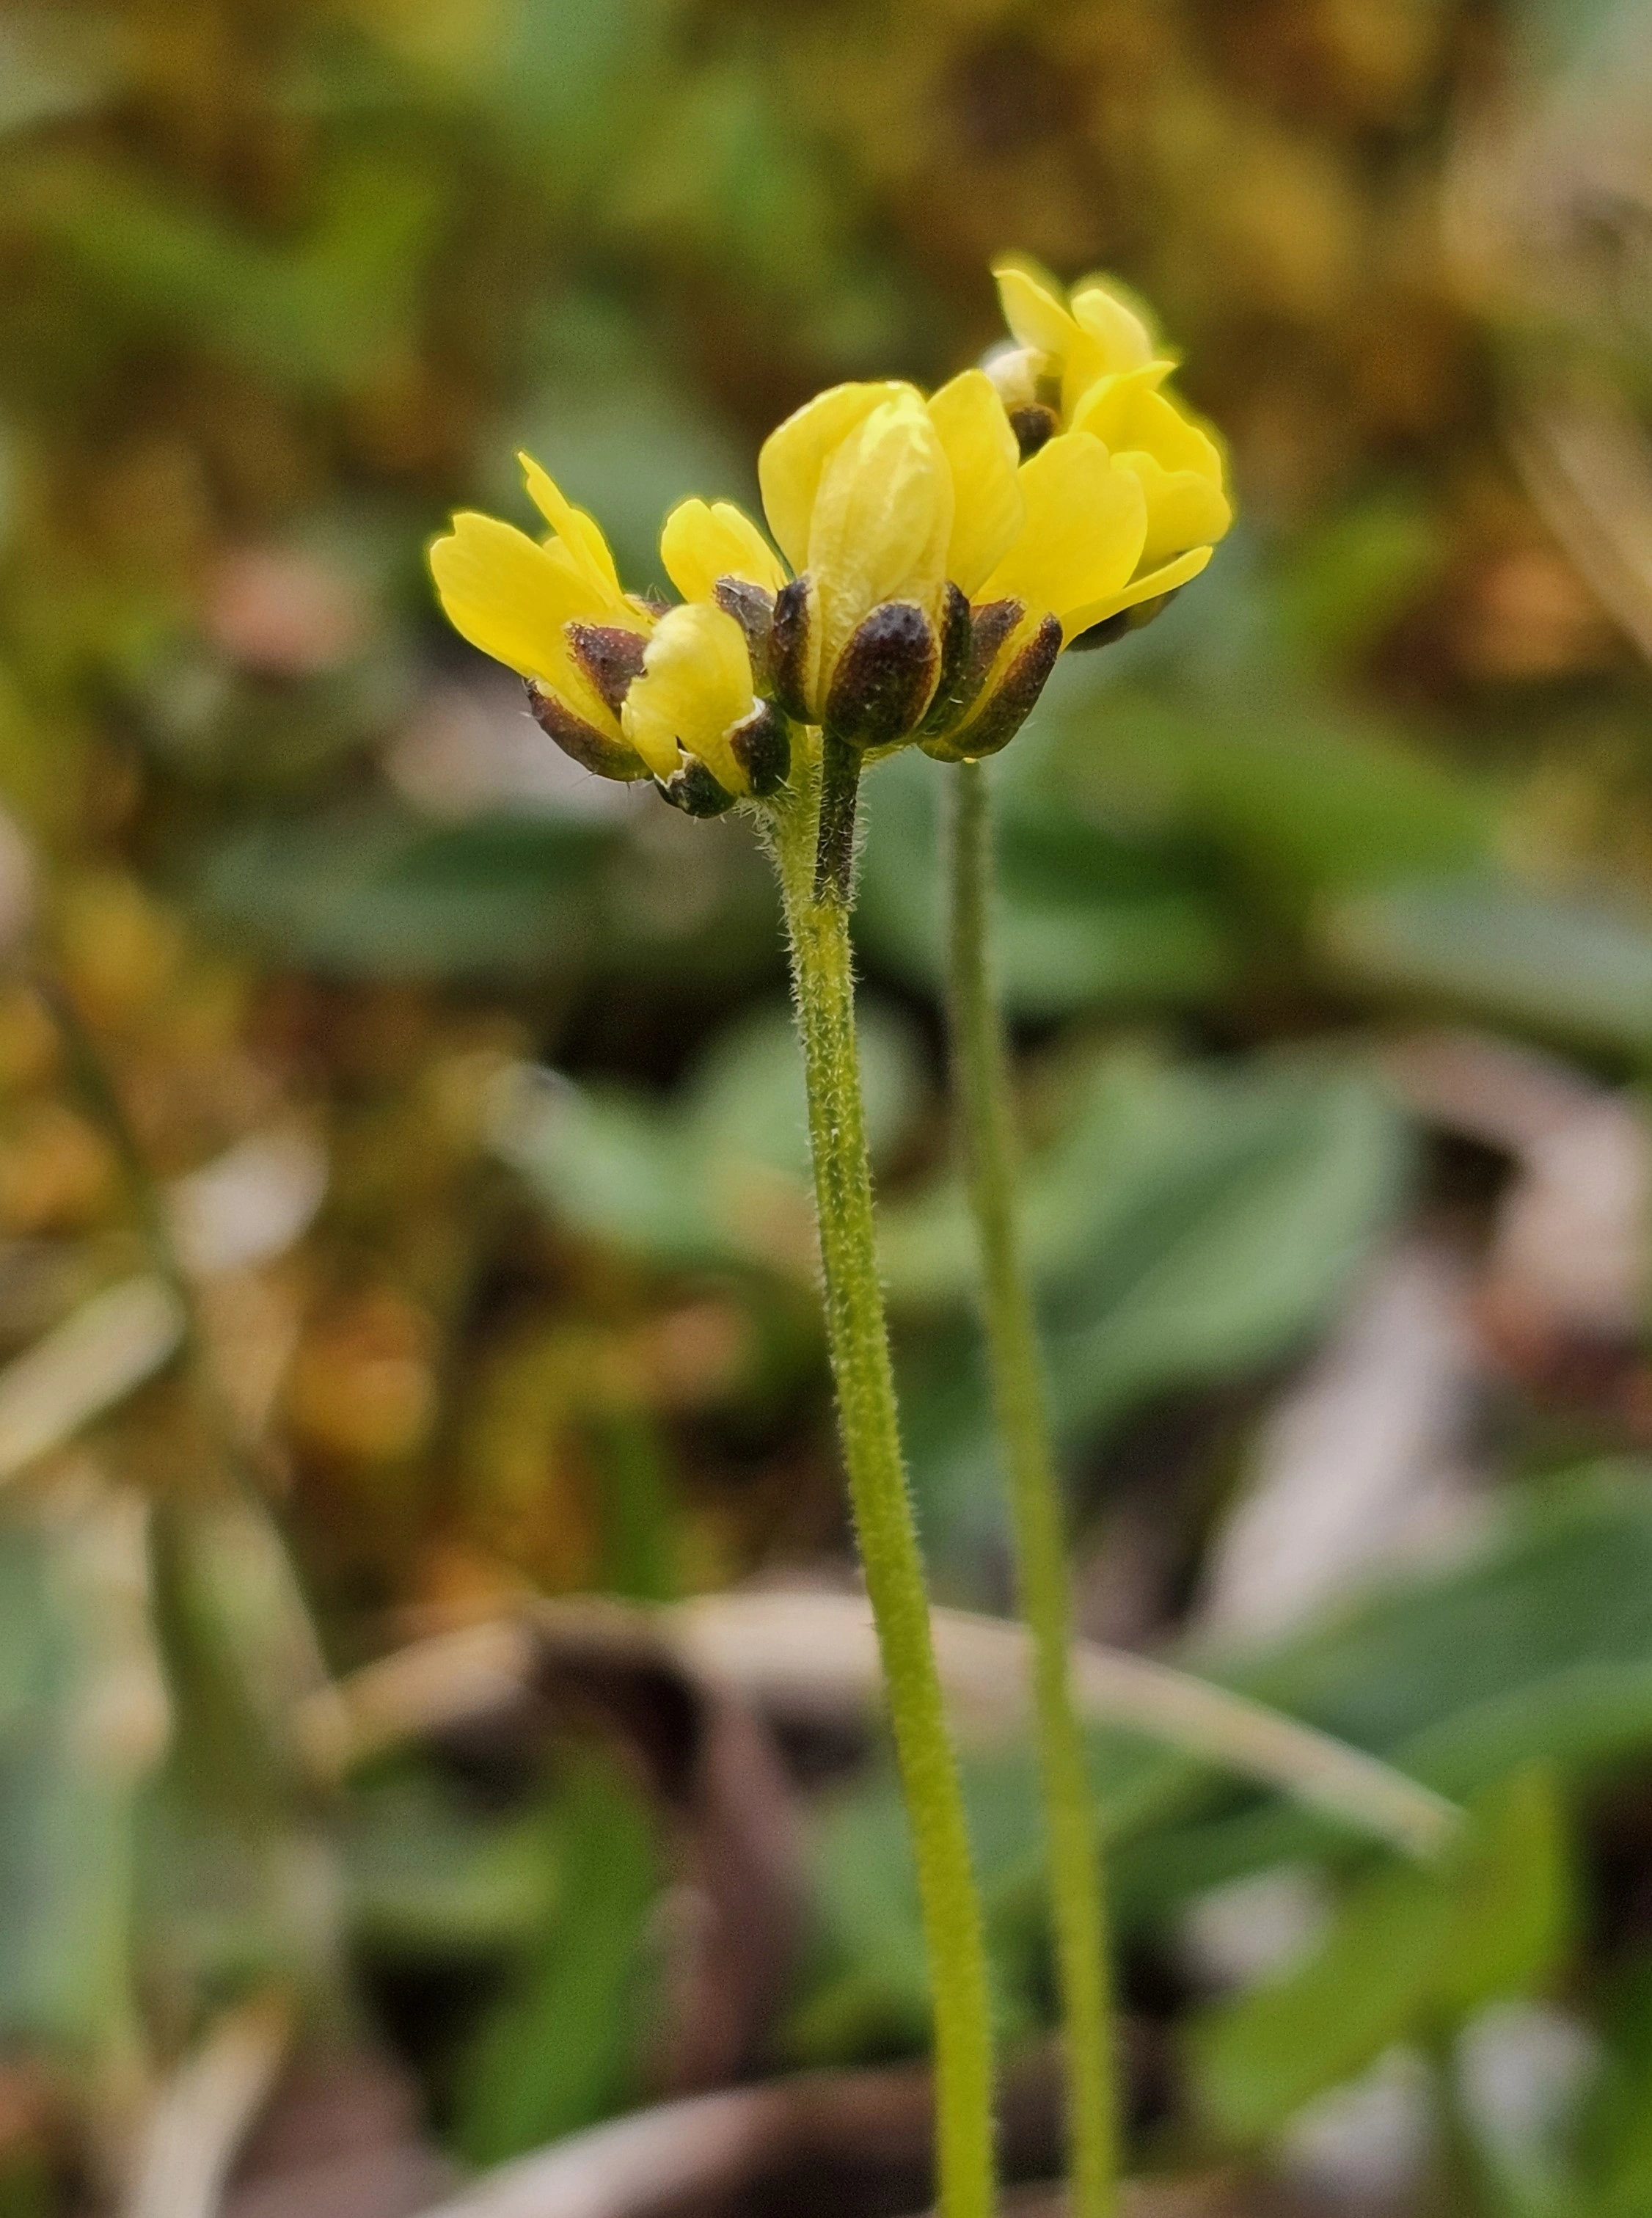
x: 938, y: 553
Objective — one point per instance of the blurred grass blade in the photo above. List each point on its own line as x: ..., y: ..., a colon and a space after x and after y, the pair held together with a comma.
x: 90, y: 1362
x: 773, y: 1646
x: 201, y: 2114
x: 558, y: 2050
x: 814, y: 1651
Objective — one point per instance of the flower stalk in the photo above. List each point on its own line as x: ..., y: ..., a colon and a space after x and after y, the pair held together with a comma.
x: 982, y: 1083
x: 818, y: 929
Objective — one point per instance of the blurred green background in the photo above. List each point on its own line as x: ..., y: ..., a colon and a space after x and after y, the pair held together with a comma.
x: 403, y: 1203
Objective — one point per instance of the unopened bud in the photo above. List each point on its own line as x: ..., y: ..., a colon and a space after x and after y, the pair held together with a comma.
x: 953, y: 690
x: 885, y: 677
x: 1034, y: 426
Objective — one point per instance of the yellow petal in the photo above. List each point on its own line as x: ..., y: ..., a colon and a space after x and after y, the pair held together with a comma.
x: 1084, y: 526
x: 700, y: 544
x: 1131, y: 413
x: 580, y: 534
x: 793, y: 457
x: 1102, y: 309
x: 511, y: 596
x: 1034, y: 306
x: 1148, y: 587
x: 1185, y: 508
x: 881, y: 522
x: 980, y: 450
x: 695, y: 686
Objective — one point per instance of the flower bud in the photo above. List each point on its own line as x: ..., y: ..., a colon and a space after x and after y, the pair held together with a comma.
x: 1034, y: 426
x: 969, y: 644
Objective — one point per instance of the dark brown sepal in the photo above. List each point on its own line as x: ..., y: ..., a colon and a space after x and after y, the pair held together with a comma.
x: 952, y: 693
x: 1008, y: 704
x: 752, y: 608
x: 762, y: 745
x: 990, y: 625
x: 788, y: 643
x: 885, y: 677
x: 594, y: 749
x: 1034, y: 426
x: 610, y: 657
x: 695, y: 792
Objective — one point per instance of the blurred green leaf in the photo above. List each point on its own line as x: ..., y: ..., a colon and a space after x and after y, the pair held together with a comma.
x: 1614, y: 2139
x: 1337, y: 587
x: 1300, y: 797
x: 378, y: 892
x: 76, y: 1647
x: 747, y: 1099
x: 428, y: 1876
x: 558, y: 2050
x: 1571, y: 968
x: 720, y: 1176
x: 1190, y: 1224
x: 636, y: 1505
x: 1409, y: 1955
x: 1532, y: 1649
x: 1084, y: 917
x: 338, y: 301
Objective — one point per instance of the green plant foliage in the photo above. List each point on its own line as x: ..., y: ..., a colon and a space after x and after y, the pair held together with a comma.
x: 718, y: 1178
x: 68, y: 1790
x: 387, y: 893
x: 1571, y: 968
x: 1188, y: 1224
x: 1085, y: 918
x: 1410, y: 1954
x: 557, y: 2051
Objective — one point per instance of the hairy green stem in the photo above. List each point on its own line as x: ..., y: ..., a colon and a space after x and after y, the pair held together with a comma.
x: 823, y: 984
x: 981, y: 1078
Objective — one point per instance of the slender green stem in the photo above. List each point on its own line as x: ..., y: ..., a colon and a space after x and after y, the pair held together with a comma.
x: 982, y: 1080
x: 823, y: 984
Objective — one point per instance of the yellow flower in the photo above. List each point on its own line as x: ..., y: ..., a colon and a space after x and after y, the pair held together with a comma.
x: 939, y: 574
x: 630, y: 689
x: 1064, y: 345
x: 1088, y: 365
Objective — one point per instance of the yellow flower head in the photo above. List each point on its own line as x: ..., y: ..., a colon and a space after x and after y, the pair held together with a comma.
x: 939, y: 571
x: 627, y: 689
x: 941, y: 550
x: 1088, y: 363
